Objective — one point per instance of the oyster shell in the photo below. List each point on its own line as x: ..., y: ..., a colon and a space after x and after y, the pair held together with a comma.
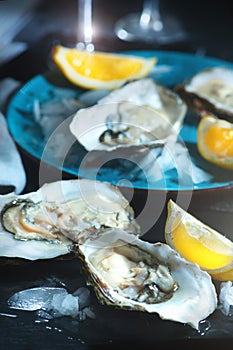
x: 130, y: 273
x: 45, y: 223
x: 142, y: 112
x: 210, y: 91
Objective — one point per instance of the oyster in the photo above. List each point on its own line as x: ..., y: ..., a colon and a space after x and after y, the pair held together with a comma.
x: 130, y: 273
x: 210, y: 91
x: 142, y: 112
x: 45, y: 223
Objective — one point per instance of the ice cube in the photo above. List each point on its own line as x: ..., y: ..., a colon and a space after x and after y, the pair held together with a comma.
x: 226, y: 297
x: 64, y: 305
x: 83, y: 295
x: 53, y: 302
x: 89, y: 312
x: 33, y: 299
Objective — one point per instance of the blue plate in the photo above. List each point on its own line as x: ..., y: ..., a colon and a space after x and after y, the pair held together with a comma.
x: 64, y: 153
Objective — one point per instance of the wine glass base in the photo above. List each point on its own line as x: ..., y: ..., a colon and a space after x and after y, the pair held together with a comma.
x: 128, y: 28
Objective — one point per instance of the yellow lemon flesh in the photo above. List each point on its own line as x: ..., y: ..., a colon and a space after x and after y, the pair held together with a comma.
x: 199, y: 243
x: 215, y: 141
x: 95, y: 70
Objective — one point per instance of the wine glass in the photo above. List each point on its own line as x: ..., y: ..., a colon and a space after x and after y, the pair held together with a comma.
x: 149, y: 25
x: 85, y: 29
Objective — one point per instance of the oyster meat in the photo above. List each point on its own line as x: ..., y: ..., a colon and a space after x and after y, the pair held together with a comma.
x: 210, y: 91
x: 142, y: 112
x: 45, y: 223
x: 130, y: 273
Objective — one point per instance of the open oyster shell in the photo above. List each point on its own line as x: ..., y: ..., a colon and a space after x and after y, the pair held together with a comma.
x: 46, y: 223
x: 142, y: 112
x: 130, y: 273
x: 210, y: 91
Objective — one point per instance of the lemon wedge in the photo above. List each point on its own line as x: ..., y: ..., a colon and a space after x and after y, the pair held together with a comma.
x: 215, y: 141
x: 199, y: 243
x: 96, y: 70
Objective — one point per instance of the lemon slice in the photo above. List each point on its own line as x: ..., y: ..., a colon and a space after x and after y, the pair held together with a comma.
x: 199, y: 243
x: 215, y: 141
x: 95, y: 70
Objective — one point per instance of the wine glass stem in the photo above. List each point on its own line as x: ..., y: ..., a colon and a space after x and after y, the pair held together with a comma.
x: 151, y: 16
x: 85, y: 23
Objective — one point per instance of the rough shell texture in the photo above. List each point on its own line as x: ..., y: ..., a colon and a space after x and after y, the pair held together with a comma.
x: 101, y: 198
x: 193, y: 301
x: 209, y: 91
x: 140, y: 113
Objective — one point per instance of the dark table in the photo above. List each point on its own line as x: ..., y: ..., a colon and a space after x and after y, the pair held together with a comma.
x: 209, y: 26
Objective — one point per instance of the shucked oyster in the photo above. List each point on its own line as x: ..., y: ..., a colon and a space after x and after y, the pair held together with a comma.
x: 141, y: 113
x: 130, y: 273
x: 44, y: 223
x: 210, y: 91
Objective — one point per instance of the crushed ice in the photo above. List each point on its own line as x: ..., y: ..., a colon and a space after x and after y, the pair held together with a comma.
x: 226, y: 298
x: 54, y: 117
x: 173, y: 156
x: 50, y: 114
x: 53, y: 302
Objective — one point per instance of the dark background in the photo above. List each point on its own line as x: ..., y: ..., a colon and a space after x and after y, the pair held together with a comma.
x: 209, y: 26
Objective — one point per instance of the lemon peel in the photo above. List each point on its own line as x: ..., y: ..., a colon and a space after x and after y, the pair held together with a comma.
x: 215, y: 141
x: 95, y: 70
x: 199, y: 243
